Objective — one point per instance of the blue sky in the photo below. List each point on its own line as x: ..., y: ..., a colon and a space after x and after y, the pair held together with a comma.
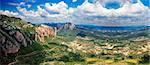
x: 5, y: 4
x: 99, y: 12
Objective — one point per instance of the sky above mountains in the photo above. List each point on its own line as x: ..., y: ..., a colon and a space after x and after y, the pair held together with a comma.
x: 96, y: 12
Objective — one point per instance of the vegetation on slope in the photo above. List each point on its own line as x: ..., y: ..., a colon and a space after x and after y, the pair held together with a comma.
x: 67, y: 49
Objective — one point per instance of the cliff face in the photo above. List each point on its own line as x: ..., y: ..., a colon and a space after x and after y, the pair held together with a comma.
x: 12, y: 35
x: 69, y: 26
x: 43, y: 30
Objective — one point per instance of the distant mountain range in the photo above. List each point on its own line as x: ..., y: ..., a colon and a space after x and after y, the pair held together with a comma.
x: 94, y: 27
x: 101, y: 32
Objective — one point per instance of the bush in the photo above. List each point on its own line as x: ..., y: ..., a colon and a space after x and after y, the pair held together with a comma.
x: 145, y: 59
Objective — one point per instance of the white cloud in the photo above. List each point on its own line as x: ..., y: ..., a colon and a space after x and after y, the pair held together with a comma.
x: 9, y: 13
x: 132, y: 9
x: 97, y: 14
x: 14, y: 4
x: 20, y: 4
x: 87, y: 13
x: 30, y: 13
x: 61, y: 7
x: 127, y: 9
x: 74, y: 0
x: 29, y: 5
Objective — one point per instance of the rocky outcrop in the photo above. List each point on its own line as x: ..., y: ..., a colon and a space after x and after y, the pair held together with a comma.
x: 66, y: 26
x: 44, y: 30
x: 11, y: 38
x: 69, y: 26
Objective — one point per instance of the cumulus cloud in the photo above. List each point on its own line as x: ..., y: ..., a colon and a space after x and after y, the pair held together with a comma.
x: 25, y: 12
x: 60, y: 8
x: 128, y: 9
x: 89, y: 13
x: 9, y: 13
x: 50, y: 12
x: 128, y: 14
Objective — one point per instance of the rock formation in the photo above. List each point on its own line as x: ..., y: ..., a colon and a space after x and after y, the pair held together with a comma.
x: 43, y: 31
x: 11, y: 38
x: 69, y: 26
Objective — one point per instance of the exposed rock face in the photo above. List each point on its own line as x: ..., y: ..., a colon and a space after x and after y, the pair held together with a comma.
x: 69, y: 26
x: 43, y: 30
x: 11, y: 38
